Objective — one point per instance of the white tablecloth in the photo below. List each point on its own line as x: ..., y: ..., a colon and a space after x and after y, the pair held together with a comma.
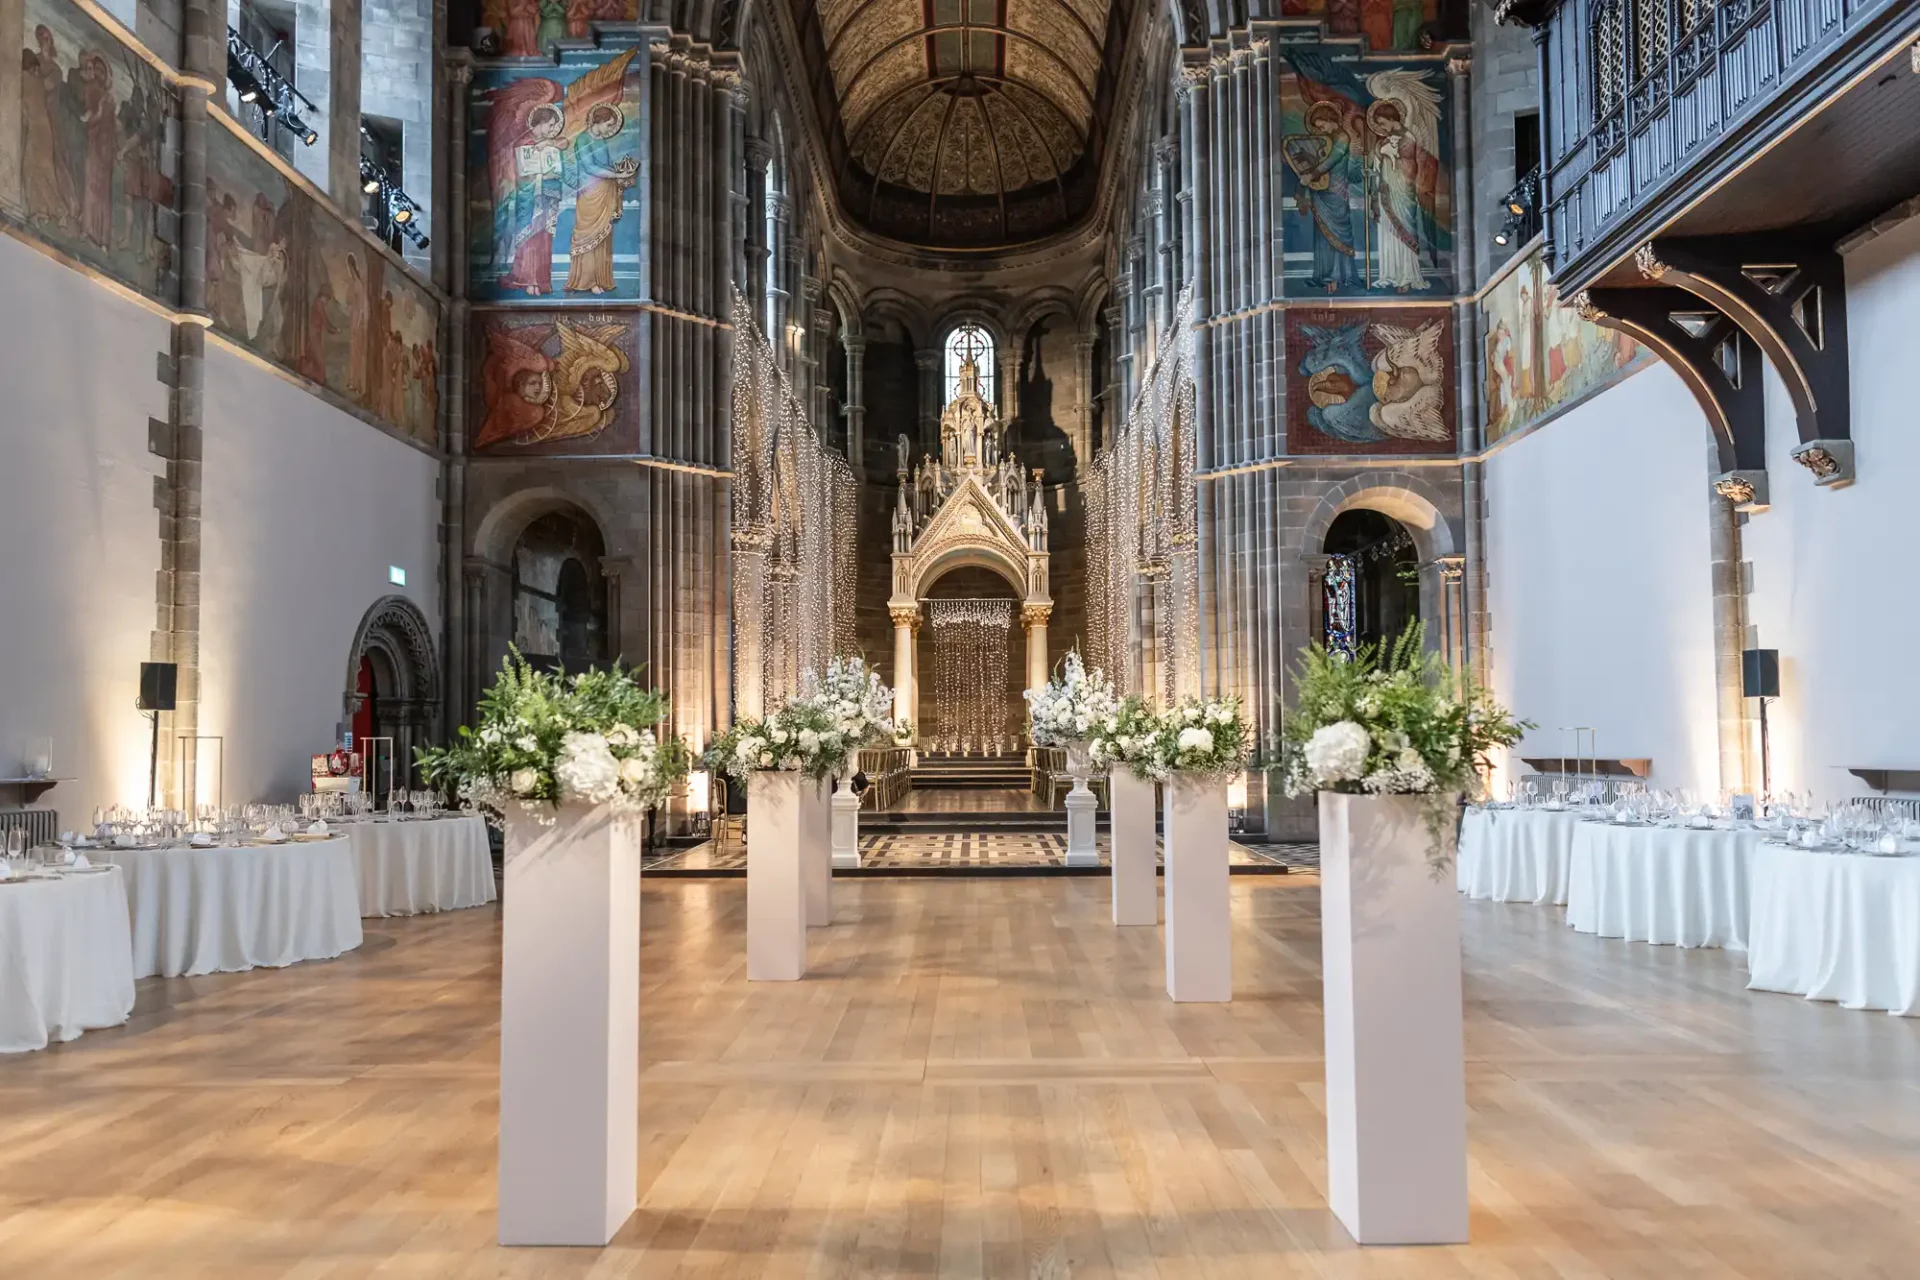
x: 66, y: 960
x: 425, y: 864
x: 222, y: 910
x: 1836, y: 926
x: 1679, y: 886
x: 1516, y: 855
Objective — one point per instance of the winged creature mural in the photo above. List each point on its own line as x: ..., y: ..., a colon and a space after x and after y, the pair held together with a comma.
x: 1372, y: 382
x: 545, y: 383
x: 548, y: 144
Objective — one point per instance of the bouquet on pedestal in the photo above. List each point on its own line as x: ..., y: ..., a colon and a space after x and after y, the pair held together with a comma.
x: 1128, y: 737
x: 833, y: 715
x: 546, y: 739
x: 1205, y: 737
x: 1393, y: 721
x: 1066, y: 710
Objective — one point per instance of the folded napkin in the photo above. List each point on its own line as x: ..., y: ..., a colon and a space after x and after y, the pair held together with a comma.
x: 66, y: 856
x: 123, y: 841
x: 200, y: 840
x: 319, y: 828
x: 273, y: 833
x: 80, y: 863
x: 6, y: 872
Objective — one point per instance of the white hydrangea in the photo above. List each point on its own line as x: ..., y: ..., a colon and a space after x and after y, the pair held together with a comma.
x: 586, y: 769
x: 1338, y: 752
x: 1195, y: 739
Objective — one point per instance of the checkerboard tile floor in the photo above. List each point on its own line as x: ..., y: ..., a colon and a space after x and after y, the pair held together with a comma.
x: 967, y: 851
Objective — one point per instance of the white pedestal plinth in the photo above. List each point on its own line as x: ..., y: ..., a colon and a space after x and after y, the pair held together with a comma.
x: 816, y: 809
x: 846, y: 823
x: 569, y: 1028
x: 1081, y: 809
x: 776, y: 875
x: 1199, y: 930
x: 1136, y: 891
x: 1396, y: 1070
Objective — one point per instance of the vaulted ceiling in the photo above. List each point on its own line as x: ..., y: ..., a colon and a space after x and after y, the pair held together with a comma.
x: 963, y: 123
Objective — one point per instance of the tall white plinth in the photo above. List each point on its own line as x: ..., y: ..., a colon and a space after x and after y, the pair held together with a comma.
x: 776, y: 875
x: 1136, y: 893
x: 816, y: 809
x: 1082, y: 807
x: 569, y: 1027
x: 1199, y: 928
x: 846, y: 820
x: 1396, y: 1069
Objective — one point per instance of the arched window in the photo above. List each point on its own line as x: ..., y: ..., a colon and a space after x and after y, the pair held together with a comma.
x: 969, y: 342
x: 1609, y: 57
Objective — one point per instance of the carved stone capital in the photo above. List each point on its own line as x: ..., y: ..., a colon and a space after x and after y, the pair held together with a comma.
x: 927, y: 359
x: 1459, y: 63
x: 1452, y: 568
x: 759, y: 152
x: 1746, y: 490
x: 1830, y: 461
x: 1035, y: 615
x: 905, y: 616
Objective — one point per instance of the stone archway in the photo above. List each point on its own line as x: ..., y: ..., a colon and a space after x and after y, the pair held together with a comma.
x: 393, y: 681
x: 1409, y: 501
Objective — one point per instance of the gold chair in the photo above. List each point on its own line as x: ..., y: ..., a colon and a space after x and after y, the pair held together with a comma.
x: 726, y: 827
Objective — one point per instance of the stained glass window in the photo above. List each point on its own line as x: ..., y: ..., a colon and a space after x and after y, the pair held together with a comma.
x: 969, y: 342
x: 1342, y: 607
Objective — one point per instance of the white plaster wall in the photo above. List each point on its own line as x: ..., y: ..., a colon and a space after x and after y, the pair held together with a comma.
x: 79, y: 537
x: 1598, y: 580
x: 1836, y: 572
x: 305, y: 509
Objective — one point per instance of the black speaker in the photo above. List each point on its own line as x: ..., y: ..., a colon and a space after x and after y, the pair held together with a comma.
x: 1759, y: 673
x: 158, y: 685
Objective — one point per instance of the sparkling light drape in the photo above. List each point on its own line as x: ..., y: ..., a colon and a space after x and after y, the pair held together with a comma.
x: 1142, y: 514
x: 971, y: 704
x: 795, y: 504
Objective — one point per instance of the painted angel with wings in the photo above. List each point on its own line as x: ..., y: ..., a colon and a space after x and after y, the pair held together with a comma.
x: 543, y: 142
x: 1404, y: 120
x: 534, y: 398
x: 1410, y: 382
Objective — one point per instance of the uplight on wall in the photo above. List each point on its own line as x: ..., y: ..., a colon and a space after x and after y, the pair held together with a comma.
x: 396, y: 575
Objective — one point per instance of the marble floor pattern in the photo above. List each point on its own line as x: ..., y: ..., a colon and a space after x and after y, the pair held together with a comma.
x: 974, y: 851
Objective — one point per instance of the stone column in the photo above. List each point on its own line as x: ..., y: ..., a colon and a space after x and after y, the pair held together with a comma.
x: 1008, y: 392
x: 1729, y: 637
x: 906, y: 620
x: 928, y: 361
x: 1121, y: 351
x: 1083, y: 344
x: 856, y: 349
x: 749, y: 622
x: 1034, y: 618
x: 453, y: 399
x: 1316, y: 575
x: 1451, y: 635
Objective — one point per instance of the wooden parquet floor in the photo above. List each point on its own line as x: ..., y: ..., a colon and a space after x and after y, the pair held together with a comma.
x: 980, y: 1078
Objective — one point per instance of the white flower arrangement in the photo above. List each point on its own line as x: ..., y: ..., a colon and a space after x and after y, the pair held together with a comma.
x: 1208, y: 737
x: 855, y: 699
x: 835, y: 714
x: 1070, y: 708
x: 1128, y: 738
x: 547, y: 739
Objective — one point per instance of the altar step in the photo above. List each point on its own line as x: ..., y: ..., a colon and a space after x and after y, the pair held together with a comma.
x: 889, y: 822
x: 997, y: 773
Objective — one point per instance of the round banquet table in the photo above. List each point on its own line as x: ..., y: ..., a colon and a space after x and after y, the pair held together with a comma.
x: 1680, y: 886
x: 422, y: 864
x: 225, y: 909
x: 66, y: 958
x: 1836, y: 926
x: 1516, y: 855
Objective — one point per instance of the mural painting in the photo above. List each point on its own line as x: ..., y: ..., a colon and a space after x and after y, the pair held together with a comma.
x: 527, y: 27
x: 555, y: 382
x: 1387, y: 24
x: 94, y: 177
x: 1540, y: 357
x: 1366, y: 185
x: 1370, y: 380
x: 292, y: 283
x: 556, y: 155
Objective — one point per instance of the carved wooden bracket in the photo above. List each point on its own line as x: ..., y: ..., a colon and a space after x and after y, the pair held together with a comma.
x: 1790, y: 297
x: 1718, y: 363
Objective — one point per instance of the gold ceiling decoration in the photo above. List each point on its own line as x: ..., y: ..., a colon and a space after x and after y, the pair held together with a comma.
x: 965, y: 98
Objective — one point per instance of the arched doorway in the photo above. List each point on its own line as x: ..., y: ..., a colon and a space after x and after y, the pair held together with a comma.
x: 393, y: 690
x: 971, y: 685
x: 560, y: 593
x: 1372, y: 580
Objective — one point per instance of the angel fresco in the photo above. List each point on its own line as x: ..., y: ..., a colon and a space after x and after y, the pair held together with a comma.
x: 1370, y: 193
x: 546, y: 143
x: 1376, y: 382
x: 536, y: 398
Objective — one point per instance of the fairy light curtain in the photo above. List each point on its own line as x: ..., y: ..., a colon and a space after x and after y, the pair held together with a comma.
x: 794, y: 510
x: 971, y: 645
x: 1143, y: 523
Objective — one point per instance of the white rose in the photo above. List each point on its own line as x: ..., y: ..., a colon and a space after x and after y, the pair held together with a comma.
x: 527, y: 742
x: 637, y: 772
x: 766, y: 759
x: 1195, y: 739
x: 1409, y: 759
x: 746, y: 749
x: 622, y: 735
x: 779, y: 734
x: 1337, y: 752
x: 522, y: 782
x: 1219, y: 714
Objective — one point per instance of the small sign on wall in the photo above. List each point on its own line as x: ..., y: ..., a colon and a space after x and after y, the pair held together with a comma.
x: 396, y: 575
